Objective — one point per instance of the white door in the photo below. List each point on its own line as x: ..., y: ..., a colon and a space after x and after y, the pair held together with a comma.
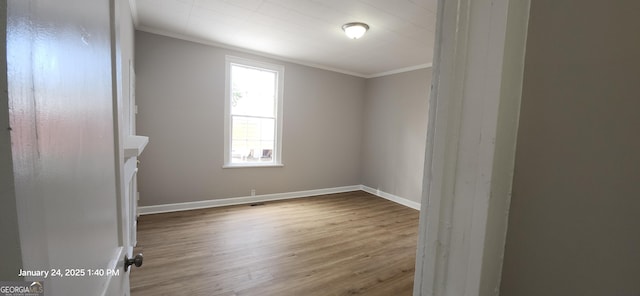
x: 63, y: 147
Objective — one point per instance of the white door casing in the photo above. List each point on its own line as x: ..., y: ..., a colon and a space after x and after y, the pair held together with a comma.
x: 133, y: 108
x: 133, y: 183
x: 475, y: 101
x: 123, y: 125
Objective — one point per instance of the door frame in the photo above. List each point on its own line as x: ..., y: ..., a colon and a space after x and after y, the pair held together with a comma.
x: 122, y: 285
x: 473, y: 120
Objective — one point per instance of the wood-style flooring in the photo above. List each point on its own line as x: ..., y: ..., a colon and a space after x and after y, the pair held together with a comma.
x: 340, y: 244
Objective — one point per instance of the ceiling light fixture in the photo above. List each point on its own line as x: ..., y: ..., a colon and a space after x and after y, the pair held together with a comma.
x: 355, y: 30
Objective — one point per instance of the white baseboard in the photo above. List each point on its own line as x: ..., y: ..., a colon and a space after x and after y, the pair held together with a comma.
x: 394, y: 198
x: 194, y: 205
x: 241, y: 200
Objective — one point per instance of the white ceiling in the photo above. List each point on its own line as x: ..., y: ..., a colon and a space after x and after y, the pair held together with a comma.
x: 400, y: 37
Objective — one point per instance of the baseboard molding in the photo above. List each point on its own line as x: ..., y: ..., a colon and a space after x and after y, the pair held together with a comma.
x: 194, y: 205
x: 394, y: 198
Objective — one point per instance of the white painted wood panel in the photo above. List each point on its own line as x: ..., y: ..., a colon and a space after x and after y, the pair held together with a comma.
x: 470, y: 146
x: 60, y: 96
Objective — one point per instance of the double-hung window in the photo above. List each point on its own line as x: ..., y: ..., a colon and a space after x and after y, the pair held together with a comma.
x: 253, y: 113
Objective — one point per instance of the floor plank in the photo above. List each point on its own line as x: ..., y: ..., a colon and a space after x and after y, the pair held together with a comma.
x: 340, y: 244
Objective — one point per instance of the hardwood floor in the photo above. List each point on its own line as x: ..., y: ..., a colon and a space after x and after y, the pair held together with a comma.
x: 341, y: 244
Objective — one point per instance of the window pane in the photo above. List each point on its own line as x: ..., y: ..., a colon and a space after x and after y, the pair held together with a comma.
x: 252, y: 139
x: 253, y: 91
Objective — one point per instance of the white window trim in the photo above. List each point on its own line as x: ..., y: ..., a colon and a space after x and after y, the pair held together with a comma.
x: 277, y: 156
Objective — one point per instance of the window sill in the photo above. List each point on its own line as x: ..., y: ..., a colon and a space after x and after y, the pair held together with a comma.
x: 251, y: 165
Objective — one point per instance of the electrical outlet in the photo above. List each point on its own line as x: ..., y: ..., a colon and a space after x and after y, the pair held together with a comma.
x: 253, y: 192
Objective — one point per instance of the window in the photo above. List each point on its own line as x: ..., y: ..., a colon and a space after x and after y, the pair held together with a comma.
x: 253, y: 118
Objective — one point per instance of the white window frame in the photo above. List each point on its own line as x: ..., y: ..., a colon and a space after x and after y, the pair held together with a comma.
x: 277, y: 153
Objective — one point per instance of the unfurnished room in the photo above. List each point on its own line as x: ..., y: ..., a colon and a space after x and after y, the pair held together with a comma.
x: 290, y: 127
x: 320, y: 147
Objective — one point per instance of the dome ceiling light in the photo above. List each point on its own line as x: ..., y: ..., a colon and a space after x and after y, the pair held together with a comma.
x: 355, y: 30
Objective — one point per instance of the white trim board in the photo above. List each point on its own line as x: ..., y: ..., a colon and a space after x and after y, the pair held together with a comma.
x: 471, y: 144
x: 276, y: 57
x: 401, y: 70
x: 394, y: 198
x: 185, y: 206
x: 194, y: 205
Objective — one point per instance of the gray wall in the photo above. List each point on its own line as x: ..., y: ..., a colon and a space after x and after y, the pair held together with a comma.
x: 180, y: 94
x: 574, y: 225
x: 395, y: 133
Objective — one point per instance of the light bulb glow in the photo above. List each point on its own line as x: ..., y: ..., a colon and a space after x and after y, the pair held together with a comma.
x: 355, y: 30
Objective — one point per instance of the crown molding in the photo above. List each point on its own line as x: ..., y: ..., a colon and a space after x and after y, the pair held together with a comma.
x: 244, y: 50
x: 401, y: 70
x: 275, y: 57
